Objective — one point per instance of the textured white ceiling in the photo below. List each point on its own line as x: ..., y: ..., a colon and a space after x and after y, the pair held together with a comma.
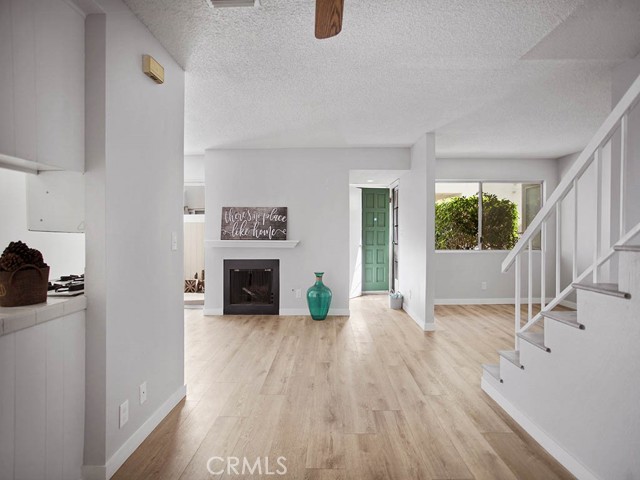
x: 517, y: 78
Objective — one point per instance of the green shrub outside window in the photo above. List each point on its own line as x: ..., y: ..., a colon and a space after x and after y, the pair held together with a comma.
x: 457, y: 223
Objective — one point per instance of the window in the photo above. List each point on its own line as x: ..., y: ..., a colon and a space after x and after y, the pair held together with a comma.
x: 485, y: 215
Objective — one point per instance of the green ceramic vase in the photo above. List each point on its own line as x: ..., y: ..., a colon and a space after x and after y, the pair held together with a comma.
x: 319, y: 298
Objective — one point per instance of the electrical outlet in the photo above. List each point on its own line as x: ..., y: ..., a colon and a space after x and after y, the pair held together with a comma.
x: 124, y: 413
x: 174, y: 241
x: 483, y: 285
x: 143, y: 392
x: 298, y: 293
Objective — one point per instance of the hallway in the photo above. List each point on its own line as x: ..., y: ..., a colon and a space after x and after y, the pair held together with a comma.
x: 365, y: 397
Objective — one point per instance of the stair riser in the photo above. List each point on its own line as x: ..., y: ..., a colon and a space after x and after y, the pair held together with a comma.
x: 613, y: 307
x: 530, y: 353
x: 629, y: 273
x: 557, y: 335
x: 506, y: 365
x: 536, y: 363
x: 490, y: 378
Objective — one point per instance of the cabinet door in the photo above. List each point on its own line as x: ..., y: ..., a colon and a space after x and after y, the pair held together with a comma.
x: 7, y: 138
x: 24, y: 76
x: 59, y: 81
x: 42, y: 82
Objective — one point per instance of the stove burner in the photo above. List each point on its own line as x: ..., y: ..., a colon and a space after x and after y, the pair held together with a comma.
x: 66, y: 287
x: 67, y: 278
x: 67, y: 284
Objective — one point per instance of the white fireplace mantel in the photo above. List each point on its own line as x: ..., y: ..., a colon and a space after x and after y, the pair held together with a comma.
x: 251, y: 243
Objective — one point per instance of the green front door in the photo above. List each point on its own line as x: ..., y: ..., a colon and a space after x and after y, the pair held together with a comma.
x: 375, y: 239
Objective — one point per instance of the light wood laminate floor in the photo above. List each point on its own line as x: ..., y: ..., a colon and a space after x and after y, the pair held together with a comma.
x: 366, y: 397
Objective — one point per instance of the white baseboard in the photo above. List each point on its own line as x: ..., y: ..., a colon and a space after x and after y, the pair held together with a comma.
x: 294, y: 312
x: 94, y: 472
x: 415, y: 317
x: 287, y: 312
x: 430, y: 327
x: 548, y: 443
x: 192, y: 307
x: 105, y: 472
x: 304, y: 312
x: 484, y: 301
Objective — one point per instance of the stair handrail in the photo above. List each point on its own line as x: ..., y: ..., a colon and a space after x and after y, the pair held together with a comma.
x: 584, y: 160
x: 605, y: 257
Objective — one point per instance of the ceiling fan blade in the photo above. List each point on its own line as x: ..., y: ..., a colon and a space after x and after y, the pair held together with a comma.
x: 328, y: 18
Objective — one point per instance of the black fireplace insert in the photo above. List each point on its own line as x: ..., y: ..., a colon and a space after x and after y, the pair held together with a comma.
x: 251, y: 287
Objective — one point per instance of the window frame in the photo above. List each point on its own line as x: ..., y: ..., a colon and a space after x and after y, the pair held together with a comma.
x: 480, y: 183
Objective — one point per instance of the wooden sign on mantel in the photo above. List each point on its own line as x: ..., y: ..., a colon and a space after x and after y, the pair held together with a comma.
x: 254, y: 223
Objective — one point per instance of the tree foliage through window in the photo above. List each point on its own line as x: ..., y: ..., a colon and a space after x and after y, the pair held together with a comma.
x: 457, y: 223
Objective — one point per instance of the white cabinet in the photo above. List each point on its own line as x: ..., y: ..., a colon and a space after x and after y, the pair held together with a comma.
x: 7, y: 132
x: 59, y: 84
x: 42, y: 82
x: 42, y: 378
x: 24, y: 78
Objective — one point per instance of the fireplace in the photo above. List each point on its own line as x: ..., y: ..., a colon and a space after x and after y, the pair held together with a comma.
x: 251, y: 287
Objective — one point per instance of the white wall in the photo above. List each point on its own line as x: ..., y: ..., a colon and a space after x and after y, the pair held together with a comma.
x: 135, y: 177
x: 63, y: 252
x: 95, y: 281
x: 194, y: 169
x: 460, y: 276
x: 460, y: 273
x: 314, y: 185
x: 622, y: 77
x: 355, y: 241
x: 586, y: 222
x: 416, y: 224
x: 194, y: 196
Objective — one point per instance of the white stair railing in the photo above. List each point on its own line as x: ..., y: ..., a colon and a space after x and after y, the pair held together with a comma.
x: 618, y: 120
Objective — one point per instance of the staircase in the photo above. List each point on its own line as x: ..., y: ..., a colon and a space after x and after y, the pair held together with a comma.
x: 572, y: 380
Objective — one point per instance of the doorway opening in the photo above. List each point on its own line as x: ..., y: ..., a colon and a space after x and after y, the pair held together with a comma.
x: 194, y: 276
x: 363, y: 256
x: 375, y: 240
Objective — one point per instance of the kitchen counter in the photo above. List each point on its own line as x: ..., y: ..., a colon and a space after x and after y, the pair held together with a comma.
x: 13, y: 319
